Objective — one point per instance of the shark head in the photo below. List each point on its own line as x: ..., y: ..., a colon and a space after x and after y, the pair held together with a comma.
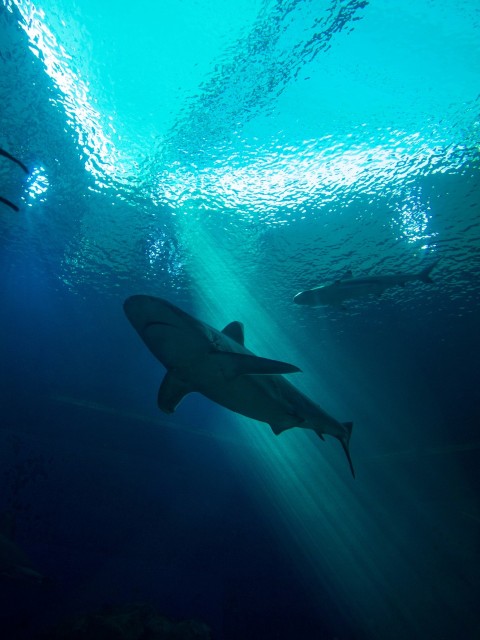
x: 172, y: 335
x: 143, y: 311
x: 306, y: 297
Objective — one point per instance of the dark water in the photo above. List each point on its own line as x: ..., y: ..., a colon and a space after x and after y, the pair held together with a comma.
x: 289, y: 143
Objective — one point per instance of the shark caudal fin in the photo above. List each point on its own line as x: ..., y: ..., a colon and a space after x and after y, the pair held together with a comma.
x: 424, y: 274
x: 345, y: 442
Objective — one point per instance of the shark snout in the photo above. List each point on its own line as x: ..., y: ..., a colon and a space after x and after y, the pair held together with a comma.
x: 140, y: 310
x: 133, y: 303
x: 144, y: 311
x: 303, y: 297
x: 134, y: 309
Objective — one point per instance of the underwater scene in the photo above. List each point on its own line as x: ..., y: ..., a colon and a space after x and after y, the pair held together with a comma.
x: 240, y: 319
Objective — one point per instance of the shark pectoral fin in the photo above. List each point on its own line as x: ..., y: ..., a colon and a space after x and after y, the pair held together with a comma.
x: 171, y: 392
x: 240, y: 364
x: 234, y: 330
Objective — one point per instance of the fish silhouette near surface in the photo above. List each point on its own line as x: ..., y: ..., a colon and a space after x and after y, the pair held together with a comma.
x: 14, y: 564
x: 348, y: 287
x: 9, y: 156
x: 219, y: 366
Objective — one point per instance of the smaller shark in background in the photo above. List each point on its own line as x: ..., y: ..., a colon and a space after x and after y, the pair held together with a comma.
x: 14, y: 564
x: 349, y: 287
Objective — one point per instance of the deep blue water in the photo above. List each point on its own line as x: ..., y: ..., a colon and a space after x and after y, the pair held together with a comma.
x: 225, y: 158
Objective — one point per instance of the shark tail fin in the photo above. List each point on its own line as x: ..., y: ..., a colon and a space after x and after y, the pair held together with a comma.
x: 345, y: 442
x: 424, y: 274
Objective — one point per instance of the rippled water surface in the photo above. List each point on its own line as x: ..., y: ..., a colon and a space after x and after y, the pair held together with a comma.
x: 226, y: 156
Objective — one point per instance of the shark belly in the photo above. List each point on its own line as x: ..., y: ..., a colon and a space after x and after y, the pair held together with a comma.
x: 163, y: 342
x: 270, y: 398
x: 253, y: 396
x: 361, y: 290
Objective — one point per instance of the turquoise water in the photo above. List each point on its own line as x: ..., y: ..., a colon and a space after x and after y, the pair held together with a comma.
x: 226, y: 156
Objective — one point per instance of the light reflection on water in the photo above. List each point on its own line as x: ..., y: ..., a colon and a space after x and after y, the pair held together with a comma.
x: 38, y: 185
x: 187, y: 169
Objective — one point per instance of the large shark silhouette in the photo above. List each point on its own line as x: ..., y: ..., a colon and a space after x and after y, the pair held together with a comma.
x: 14, y: 564
x: 349, y: 287
x: 218, y: 365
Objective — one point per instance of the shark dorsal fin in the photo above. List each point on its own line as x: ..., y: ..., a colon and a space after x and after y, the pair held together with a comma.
x: 346, y: 276
x: 234, y: 330
x: 7, y: 525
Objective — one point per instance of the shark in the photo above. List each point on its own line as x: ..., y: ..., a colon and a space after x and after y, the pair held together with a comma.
x: 14, y: 564
x: 199, y: 358
x: 348, y: 287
